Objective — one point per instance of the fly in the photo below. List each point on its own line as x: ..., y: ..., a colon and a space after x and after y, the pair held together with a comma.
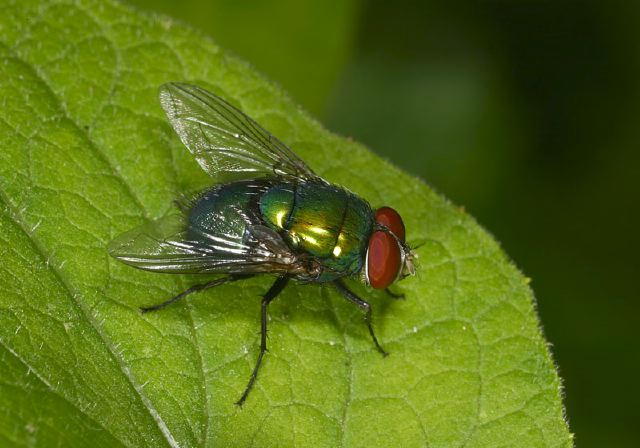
x: 268, y: 213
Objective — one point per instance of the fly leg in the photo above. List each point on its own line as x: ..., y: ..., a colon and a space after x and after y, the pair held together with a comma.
x: 394, y: 295
x: 273, y: 292
x: 195, y: 288
x: 366, y: 306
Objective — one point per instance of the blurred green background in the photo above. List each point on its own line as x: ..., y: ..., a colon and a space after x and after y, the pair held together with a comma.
x: 525, y: 112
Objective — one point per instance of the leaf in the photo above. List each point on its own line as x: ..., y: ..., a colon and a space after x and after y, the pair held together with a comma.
x: 87, y: 154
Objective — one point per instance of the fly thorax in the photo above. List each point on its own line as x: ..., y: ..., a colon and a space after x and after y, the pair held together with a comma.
x: 325, y: 222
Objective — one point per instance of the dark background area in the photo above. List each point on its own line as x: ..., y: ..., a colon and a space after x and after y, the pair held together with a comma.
x: 525, y: 112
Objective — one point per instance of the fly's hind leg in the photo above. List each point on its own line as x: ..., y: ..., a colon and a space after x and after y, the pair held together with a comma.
x: 273, y: 292
x: 366, y: 306
x: 195, y: 288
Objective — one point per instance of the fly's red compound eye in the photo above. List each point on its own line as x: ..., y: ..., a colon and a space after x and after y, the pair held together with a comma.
x: 383, y: 259
x: 391, y: 219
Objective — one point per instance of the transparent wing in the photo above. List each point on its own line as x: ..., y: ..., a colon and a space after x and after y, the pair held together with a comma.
x: 226, y: 143
x: 169, y: 244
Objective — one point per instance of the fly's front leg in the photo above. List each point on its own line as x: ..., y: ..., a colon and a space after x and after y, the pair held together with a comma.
x: 273, y: 292
x: 366, y: 306
x: 394, y: 295
x: 195, y: 288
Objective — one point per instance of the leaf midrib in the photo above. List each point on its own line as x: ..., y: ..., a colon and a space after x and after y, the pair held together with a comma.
x: 48, y: 385
x: 43, y: 253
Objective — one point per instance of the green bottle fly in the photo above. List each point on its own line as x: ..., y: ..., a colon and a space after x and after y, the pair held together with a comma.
x: 269, y: 214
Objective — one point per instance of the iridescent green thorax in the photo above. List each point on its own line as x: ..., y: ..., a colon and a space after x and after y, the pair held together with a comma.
x: 322, y: 220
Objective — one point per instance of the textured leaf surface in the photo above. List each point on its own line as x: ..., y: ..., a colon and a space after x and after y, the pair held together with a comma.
x: 86, y: 154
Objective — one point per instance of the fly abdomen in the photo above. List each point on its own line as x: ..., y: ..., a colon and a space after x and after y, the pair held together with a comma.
x: 227, y: 209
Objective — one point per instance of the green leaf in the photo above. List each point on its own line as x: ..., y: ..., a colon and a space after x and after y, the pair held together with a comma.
x: 86, y: 154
